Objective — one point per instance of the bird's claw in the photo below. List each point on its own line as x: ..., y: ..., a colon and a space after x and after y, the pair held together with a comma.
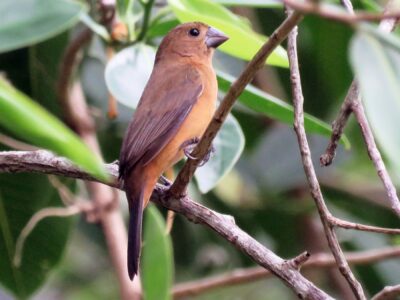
x: 165, y: 181
x: 187, y: 151
x: 188, y: 147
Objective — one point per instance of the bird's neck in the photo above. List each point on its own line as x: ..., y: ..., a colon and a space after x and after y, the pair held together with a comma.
x: 176, y: 59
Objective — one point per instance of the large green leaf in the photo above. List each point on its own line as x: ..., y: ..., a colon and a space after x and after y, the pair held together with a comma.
x: 229, y: 145
x: 28, y: 120
x: 21, y: 195
x: 44, y: 67
x: 376, y: 62
x: 243, y: 42
x: 26, y: 22
x: 161, y: 28
x: 128, y: 71
x: 157, y: 261
x: 275, y: 108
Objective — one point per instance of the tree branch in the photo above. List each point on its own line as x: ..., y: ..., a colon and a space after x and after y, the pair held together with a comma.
x: 305, y: 152
x: 353, y: 104
x: 333, y: 221
x: 324, y: 11
x: 340, y: 123
x: 35, y: 219
x: 46, y: 162
x: 375, y: 156
x: 242, y: 276
x: 179, y: 186
x: 104, y: 198
x: 348, y: 5
x: 388, y: 293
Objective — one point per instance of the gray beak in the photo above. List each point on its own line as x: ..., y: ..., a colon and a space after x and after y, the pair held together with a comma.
x: 214, y: 38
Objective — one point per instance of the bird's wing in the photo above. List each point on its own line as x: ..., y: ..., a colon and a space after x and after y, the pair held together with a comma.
x: 166, y: 101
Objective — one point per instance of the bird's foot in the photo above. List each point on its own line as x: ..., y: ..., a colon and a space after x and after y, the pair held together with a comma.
x: 165, y: 181
x: 188, y: 147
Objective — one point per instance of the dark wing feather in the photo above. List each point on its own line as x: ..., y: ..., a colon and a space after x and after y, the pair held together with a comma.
x: 166, y: 101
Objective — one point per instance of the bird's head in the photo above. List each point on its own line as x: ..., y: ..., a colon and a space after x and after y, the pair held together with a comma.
x: 194, y: 40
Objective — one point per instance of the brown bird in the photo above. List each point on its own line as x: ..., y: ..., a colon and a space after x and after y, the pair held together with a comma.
x: 173, y: 113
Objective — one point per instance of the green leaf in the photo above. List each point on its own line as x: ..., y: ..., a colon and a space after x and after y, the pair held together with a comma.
x: 28, y: 120
x: 100, y: 30
x: 26, y: 22
x: 128, y: 71
x: 21, y: 195
x: 371, y: 5
x: 157, y: 260
x: 129, y: 12
x: 387, y: 39
x: 44, y: 67
x: 243, y: 41
x: 376, y: 62
x: 275, y: 108
x: 229, y: 145
x: 124, y: 7
x: 161, y: 28
x: 252, y: 3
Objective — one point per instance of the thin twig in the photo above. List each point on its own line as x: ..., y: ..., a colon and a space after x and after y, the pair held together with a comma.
x: 242, y: 276
x: 46, y: 162
x: 332, y: 13
x: 67, y: 67
x: 348, y: 5
x: 388, y: 293
x: 313, y: 237
x: 179, y: 186
x: 36, y: 218
x: 340, y: 123
x: 298, y: 261
x: 67, y: 197
x: 375, y: 156
x: 353, y: 104
x: 170, y: 175
x: 16, y: 144
x: 305, y: 152
x: 356, y: 226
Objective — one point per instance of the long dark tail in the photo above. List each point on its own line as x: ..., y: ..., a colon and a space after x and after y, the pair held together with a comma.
x: 134, y: 193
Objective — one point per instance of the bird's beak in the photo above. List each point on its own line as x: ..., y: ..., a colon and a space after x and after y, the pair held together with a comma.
x: 214, y: 38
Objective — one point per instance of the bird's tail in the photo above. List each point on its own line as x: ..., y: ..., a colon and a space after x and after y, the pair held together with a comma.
x: 134, y: 193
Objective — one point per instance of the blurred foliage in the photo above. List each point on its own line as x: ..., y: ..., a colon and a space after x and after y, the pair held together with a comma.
x: 265, y: 191
x: 157, y: 261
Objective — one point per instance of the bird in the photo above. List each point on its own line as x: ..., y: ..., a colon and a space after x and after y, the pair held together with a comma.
x: 176, y: 106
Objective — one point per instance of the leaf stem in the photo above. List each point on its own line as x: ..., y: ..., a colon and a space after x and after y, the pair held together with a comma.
x: 146, y: 19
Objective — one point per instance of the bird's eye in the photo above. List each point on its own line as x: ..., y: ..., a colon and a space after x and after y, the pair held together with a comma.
x: 194, y: 32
